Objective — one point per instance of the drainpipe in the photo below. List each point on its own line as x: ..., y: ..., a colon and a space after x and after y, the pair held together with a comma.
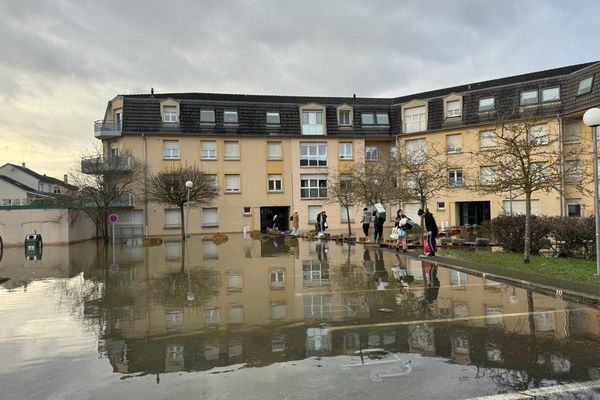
x: 562, y: 163
x: 145, y: 166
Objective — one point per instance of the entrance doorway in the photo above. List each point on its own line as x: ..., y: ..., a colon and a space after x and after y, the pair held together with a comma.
x: 473, y: 212
x: 268, y: 213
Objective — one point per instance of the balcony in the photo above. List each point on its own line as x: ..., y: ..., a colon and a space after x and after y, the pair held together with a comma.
x: 103, y: 129
x: 102, y: 165
x: 124, y: 200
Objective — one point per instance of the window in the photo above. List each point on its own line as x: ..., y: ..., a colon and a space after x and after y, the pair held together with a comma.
x: 172, y: 218
x: 212, y: 316
x: 170, y: 114
x: 572, y: 133
x: 313, y: 186
x: 393, y: 152
x: 171, y: 150
x: 210, y: 251
x: 453, y: 143
x: 344, y: 214
x: 230, y: 117
x: 278, y: 310
x: 345, y: 151
x: 277, y: 279
x: 538, y: 134
x: 455, y: 177
x: 312, y: 122
x: 487, y: 175
x: 551, y: 94
x: 118, y: 119
x: 173, y: 251
x: 209, y: 150
x: 274, y: 182
x: 209, y: 217
x: 344, y: 118
x: 207, y: 116
x: 486, y: 104
x: 213, y: 181
x: 453, y: 109
x: 234, y: 281
x: 441, y: 205
x: 247, y: 211
x: 458, y: 279
x: 114, y: 150
x: 529, y: 97
x: 415, y: 151
x: 414, y: 119
x: 585, y: 85
x: 313, y: 211
x: 313, y: 154
x: 232, y: 183
x: 493, y: 315
x: 383, y: 119
x: 573, y: 171
x: 235, y: 314
x: 346, y: 182
x: 367, y: 118
x: 487, y: 140
x: 371, y: 152
x: 274, y: 151
x: 574, y: 207
x: 6, y: 202
x: 173, y: 320
x: 272, y: 118
x: 231, y: 150
x: 55, y: 190
x: 518, y: 207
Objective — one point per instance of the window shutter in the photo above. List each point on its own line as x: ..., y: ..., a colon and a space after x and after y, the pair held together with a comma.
x: 274, y: 150
x: 232, y: 150
x: 453, y: 143
x: 172, y: 219
x: 209, y: 217
x: 312, y: 213
x: 232, y: 183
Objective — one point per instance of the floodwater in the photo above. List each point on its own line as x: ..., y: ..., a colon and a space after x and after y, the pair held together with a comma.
x: 278, y: 319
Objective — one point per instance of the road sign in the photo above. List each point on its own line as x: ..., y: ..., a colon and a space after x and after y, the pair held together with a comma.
x: 113, y: 218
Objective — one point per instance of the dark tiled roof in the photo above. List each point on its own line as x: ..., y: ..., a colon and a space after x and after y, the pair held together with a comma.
x: 43, y: 178
x: 21, y: 186
x: 142, y: 111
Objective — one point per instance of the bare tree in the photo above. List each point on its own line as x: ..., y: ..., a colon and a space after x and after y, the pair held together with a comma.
x: 523, y: 156
x: 375, y: 181
x: 340, y: 188
x: 168, y: 187
x: 106, y: 184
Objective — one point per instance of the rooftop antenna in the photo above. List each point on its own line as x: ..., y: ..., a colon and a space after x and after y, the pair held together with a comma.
x: 151, y: 92
x: 354, y: 99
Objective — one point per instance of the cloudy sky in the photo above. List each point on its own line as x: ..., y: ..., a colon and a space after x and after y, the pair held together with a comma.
x: 61, y: 61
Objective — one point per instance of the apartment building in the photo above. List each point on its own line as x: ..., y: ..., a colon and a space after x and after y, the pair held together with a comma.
x: 273, y: 154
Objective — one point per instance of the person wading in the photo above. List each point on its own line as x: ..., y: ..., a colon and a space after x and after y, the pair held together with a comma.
x: 432, y: 231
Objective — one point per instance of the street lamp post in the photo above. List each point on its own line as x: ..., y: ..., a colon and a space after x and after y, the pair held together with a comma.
x: 592, y: 118
x: 188, y: 185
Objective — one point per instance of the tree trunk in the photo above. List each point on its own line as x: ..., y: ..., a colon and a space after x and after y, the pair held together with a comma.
x: 527, y: 243
x: 183, y: 223
x: 348, y: 220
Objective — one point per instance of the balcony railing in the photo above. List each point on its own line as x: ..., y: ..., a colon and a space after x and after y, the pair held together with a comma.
x: 124, y: 200
x: 103, y: 129
x: 100, y: 165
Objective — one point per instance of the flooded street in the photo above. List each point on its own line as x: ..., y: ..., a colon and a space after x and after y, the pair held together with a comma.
x: 277, y: 318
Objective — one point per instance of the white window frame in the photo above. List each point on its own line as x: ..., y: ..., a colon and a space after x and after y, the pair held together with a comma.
x: 572, y: 133
x: 455, y: 177
x: 171, y: 149
x: 529, y: 97
x: 311, y: 186
x: 313, y: 156
x: 574, y: 202
x: 365, y: 116
x: 488, y: 137
x: 230, y: 185
x: 174, y: 216
x: 277, y: 279
x: 210, y: 217
x: 415, y: 119
x: 583, y: 87
x: 548, y: 90
x: 454, y: 147
x: 416, y: 150
x: 371, y: 152
x: 441, y: 205
x: 487, y: 175
x: 170, y: 114
x: 312, y: 122
x: 538, y: 134
x: 342, y: 121
x: 344, y: 217
x: 213, y: 178
x: 278, y: 155
x: 573, y: 171
x: 275, y: 178
x: 207, y: 116
x: 208, y: 153
x: 453, y: 109
x: 382, y: 118
x: 228, y: 146
x: 312, y: 212
x: 345, y: 150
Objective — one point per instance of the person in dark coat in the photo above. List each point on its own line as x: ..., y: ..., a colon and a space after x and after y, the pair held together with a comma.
x: 432, y: 231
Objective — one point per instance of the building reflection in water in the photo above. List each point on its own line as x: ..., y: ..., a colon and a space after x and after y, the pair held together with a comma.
x: 199, y: 305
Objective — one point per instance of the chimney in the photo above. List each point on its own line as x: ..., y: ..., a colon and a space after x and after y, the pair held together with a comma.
x: 354, y: 98
x: 23, y: 164
x: 66, y: 178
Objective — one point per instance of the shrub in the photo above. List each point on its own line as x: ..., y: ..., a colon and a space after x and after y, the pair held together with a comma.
x: 509, y: 232
x: 572, y: 236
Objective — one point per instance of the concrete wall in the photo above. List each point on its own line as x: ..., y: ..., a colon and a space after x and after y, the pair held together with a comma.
x: 57, y: 226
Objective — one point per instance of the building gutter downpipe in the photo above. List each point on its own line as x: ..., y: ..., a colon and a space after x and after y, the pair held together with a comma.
x: 145, y: 186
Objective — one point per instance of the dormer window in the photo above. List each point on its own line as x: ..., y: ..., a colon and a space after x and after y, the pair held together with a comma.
x: 230, y: 117
x: 344, y: 118
x: 272, y: 118
x: 529, y: 97
x: 486, y: 104
x: 367, y: 118
x: 453, y: 109
x: 551, y: 94
x: 414, y: 119
x: 312, y: 122
x: 382, y: 119
x: 207, y: 116
x: 170, y: 114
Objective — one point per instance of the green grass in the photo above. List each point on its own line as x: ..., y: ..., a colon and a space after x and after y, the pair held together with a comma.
x: 570, y: 269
